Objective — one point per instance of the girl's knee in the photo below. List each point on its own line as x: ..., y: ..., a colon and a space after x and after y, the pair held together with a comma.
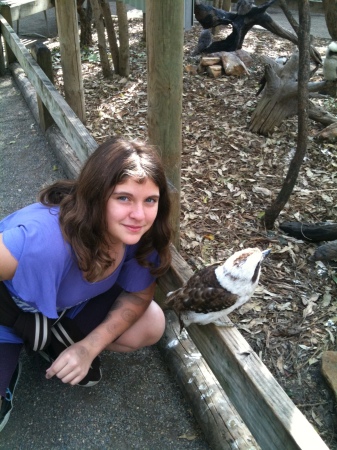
x: 156, y: 323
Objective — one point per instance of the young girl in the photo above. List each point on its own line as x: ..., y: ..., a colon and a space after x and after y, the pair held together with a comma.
x: 78, y: 269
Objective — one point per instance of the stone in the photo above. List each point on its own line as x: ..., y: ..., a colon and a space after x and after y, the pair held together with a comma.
x: 214, y: 71
x: 329, y: 369
x: 328, y: 134
x: 233, y: 65
x: 209, y: 60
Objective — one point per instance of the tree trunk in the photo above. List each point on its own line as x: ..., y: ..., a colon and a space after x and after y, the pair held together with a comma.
x: 98, y: 17
x: 289, y: 16
x: 85, y: 15
x: 303, y: 105
x: 226, y: 5
x: 124, y: 51
x: 112, y: 38
x: 330, y: 11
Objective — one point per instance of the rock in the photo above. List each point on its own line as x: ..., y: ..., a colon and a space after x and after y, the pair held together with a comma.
x: 245, y: 57
x: 329, y: 369
x: 191, y: 69
x: 209, y: 60
x: 214, y: 71
x: 233, y: 65
x: 328, y: 134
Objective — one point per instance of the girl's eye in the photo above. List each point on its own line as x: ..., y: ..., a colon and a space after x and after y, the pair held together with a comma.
x: 122, y: 198
x: 151, y: 200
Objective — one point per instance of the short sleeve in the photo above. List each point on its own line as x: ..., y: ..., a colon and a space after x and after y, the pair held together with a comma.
x: 14, y: 240
x: 133, y: 277
x: 43, y: 259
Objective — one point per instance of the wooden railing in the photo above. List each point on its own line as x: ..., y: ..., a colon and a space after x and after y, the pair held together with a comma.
x: 241, y: 379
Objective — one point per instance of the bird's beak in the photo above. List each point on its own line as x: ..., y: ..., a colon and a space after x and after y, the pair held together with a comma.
x: 265, y: 253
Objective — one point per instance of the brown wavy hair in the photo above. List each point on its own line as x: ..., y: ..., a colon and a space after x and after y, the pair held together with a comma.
x: 83, y: 204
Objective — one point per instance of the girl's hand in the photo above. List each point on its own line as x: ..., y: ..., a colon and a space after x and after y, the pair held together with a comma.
x: 72, y: 364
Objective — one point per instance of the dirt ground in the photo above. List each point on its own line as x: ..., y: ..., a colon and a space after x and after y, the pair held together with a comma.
x: 229, y: 177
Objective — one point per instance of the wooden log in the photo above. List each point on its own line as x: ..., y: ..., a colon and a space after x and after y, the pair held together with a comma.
x: 66, y: 14
x: 26, y: 88
x: 42, y: 56
x: 65, y: 154
x: 124, y: 47
x: 270, y: 415
x: 312, y: 232
x: 102, y: 48
x: 71, y: 127
x: 217, y: 417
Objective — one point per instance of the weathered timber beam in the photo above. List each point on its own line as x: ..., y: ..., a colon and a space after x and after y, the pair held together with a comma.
x: 221, y: 424
x: 64, y: 153
x: 71, y: 127
x: 273, y: 419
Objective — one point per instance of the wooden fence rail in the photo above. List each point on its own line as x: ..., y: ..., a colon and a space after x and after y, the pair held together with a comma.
x: 244, y: 381
x: 72, y: 128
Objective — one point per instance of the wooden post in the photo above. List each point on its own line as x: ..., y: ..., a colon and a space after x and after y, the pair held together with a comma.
x: 66, y: 15
x: 42, y: 56
x: 6, y: 13
x: 165, y: 36
x: 2, y: 59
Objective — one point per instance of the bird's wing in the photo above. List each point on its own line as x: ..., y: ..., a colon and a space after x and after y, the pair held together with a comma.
x: 208, y: 299
x: 202, y: 293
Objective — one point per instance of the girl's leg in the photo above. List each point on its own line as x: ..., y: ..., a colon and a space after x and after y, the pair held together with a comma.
x: 9, y: 374
x: 96, y: 310
x: 146, y: 331
x: 9, y: 357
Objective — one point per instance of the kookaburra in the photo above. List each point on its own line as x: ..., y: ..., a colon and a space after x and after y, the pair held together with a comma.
x: 330, y: 62
x: 216, y: 290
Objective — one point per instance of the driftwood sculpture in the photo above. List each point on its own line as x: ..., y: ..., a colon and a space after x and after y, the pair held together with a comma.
x: 242, y: 20
x: 279, y: 98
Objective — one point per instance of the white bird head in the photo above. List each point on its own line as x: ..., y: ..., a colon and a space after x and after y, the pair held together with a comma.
x: 332, y: 47
x: 241, y: 272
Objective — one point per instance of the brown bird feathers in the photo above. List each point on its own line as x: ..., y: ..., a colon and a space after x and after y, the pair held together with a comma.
x: 215, y: 291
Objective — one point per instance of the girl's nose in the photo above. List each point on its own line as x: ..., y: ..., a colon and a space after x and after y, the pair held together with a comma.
x: 137, y: 212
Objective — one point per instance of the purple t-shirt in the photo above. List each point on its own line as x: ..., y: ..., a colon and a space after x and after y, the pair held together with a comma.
x: 48, y: 277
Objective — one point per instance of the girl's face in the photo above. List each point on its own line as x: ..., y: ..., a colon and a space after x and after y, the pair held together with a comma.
x: 131, y: 210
